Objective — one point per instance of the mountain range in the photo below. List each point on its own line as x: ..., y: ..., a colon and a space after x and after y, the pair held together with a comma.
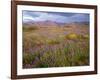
x: 52, y: 23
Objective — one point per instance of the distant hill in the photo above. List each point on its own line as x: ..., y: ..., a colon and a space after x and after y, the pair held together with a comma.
x: 54, y: 24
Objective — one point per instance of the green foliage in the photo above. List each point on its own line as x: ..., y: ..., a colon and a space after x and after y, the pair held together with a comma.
x: 28, y: 58
x: 29, y: 28
x: 52, y: 42
x: 70, y: 54
x: 81, y: 57
x: 73, y: 36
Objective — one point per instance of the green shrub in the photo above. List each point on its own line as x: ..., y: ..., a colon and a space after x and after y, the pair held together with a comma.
x: 71, y: 36
x: 28, y: 58
x: 29, y: 28
x: 67, y: 54
x: 55, y: 59
x: 52, y: 42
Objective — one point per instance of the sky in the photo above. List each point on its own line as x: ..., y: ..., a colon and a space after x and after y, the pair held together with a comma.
x: 59, y: 17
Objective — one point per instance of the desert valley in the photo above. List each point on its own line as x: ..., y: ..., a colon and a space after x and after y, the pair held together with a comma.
x: 51, y: 44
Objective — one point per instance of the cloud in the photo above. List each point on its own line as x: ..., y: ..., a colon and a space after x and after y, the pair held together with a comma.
x: 43, y: 16
x: 54, y: 16
x: 80, y: 17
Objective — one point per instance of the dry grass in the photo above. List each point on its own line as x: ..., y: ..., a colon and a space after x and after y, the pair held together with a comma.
x: 55, y: 47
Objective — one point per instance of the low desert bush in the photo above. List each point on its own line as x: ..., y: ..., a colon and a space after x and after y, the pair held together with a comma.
x: 52, y: 41
x: 70, y: 54
x: 29, y: 28
x: 73, y: 36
